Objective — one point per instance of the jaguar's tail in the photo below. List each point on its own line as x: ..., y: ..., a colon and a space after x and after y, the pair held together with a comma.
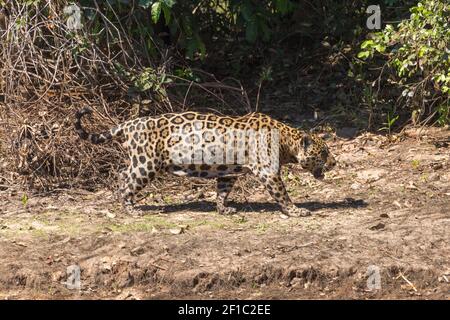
x: 94, y: 138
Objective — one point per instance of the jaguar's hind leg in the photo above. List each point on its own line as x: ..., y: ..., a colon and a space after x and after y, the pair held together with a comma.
x: 224, y: 186
x: 126, y: 189
x: 133, y: 181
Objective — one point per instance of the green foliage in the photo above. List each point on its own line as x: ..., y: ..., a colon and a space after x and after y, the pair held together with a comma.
x: 371, y: 46
x: 417, y: 50
x: 443, y: 114
x: 24, y: 200
x: 390, y: 121
x: 186, y: 74
x: 266, y: 74
x: 157, y: 6
x: 156, y: 11
x: 151, y: 79
x: 187, y: 21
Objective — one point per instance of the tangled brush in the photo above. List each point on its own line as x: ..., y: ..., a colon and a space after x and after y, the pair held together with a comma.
x: 49, y: 70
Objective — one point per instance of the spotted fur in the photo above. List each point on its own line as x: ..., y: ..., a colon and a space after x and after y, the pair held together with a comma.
x: 152, y: 141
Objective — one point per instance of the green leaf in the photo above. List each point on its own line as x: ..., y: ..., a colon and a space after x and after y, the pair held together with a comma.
x: 251, y: 32
x: 247, y: 11
x: 392, y: 121
x: 201, y: 46
x: 156, y: 11
x: 195, y: 44
x: 186, y: 26
x: 282, y: 6
x: 167, y: 13
x: 145, y: 3
x: 24, y: 200
x: 363, y: 54
x: 266, y: 32
x: 191, y: 48
x: 169, y: 3
x: 367, y: 43
x: 380, y: 48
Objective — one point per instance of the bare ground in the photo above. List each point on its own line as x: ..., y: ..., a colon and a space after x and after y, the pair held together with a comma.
x: 386, y: 205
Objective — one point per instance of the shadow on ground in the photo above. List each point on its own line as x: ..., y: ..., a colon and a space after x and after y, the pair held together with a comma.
x: 208, y: 206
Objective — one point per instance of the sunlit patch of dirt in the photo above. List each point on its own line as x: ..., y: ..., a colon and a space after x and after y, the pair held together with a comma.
x: 386, y: 207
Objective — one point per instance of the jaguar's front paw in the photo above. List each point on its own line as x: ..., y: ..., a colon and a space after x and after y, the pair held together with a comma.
x: 294, y: 211
x: 132, y: 211
x: 227, y: 211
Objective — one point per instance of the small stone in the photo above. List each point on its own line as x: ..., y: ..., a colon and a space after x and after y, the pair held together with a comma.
x: 384, y: 215
x: 58, y: 276
x: 106, y: 268
x: 434, y: 176
x: 154, y: 230
x: 396, y: 203
x: 122, y: 245
x: 296, y: 282
x: 19, y: 243
x: 370, y: 175
x: 108, y: 214
x: 411, y: 186
x: 437, y: 166
x: 176, y: 231
x: 378, y: 226
x: 355, y: 186
x: 137, y: 251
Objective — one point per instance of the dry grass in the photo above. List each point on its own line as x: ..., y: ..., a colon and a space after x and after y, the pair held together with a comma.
x: 48, y: 72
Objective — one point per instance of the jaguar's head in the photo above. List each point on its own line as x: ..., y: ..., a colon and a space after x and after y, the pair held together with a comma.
x: 315, y: 156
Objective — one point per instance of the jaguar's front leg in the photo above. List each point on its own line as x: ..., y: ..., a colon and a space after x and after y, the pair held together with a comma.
x: 224, y: 186
x: 275, y: 186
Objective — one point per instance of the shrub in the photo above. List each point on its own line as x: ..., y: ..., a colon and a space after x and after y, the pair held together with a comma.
x: 418, y: 53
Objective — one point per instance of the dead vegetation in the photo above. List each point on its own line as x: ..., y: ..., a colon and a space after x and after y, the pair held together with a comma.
x: 49, y: 71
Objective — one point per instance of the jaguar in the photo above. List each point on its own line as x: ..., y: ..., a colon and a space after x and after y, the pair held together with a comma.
x: 208, y: 145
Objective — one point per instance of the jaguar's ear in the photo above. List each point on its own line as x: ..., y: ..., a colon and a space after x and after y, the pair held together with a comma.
x: 306, y: 140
